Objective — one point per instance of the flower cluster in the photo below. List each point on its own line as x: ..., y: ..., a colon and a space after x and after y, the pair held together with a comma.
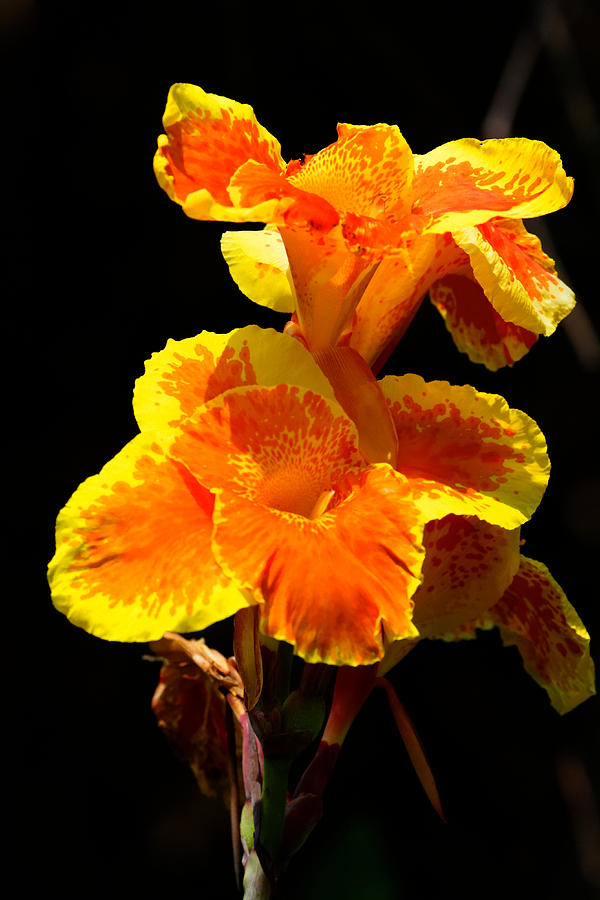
x: 275, y: 479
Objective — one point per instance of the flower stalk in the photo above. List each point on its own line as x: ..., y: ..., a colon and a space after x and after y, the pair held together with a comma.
x: 336, y: 518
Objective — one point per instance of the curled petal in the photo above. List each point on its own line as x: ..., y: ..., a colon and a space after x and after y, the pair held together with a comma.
x: 208, y: 138
x: 259, y: 266
x: 133, y: 554
x: 190, y: 710
x: 535, y: 615
x: 477, y: 329
x: 467, y: 182
x: 467, y: 452
x: 517, y: 277
x: 189, y: 373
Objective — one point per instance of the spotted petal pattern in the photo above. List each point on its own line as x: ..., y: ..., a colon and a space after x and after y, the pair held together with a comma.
x: 536, y: 617
x: 468, y: 182
x: 517, y: 277
x: 478, y: 330
x: 360, y: 203
x: 133, y: 555
x: 467, y: 452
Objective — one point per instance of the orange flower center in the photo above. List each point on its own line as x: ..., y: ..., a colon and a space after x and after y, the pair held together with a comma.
x: 290, y: 489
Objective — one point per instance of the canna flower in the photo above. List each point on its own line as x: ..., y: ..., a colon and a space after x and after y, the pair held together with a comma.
x: 358, y: 233
x: 247, y: 486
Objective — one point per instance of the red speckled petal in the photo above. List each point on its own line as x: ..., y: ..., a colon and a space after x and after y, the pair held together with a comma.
x: 133, y: 555
x: 466, y: 452
x: 468, y: 566
x: 535, y: 615
x: 254, y: 184
x: 467, y: 182
x: 189, y: 373
x: 281, y: 446
x: 270, y: 455
x: 208, y: 138
x: 333, y: 585
x: 367, y: 171
x: 475, y: 326
x: 517, y: 277
x: 328, y: 280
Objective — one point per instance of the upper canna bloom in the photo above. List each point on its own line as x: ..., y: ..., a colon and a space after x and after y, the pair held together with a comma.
x: 359, y: 232
x: 251, y: 485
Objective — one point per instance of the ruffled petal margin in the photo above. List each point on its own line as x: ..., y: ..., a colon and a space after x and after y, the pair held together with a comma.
x: 187, y: 374
x: 466, y: 182
x: 208, y: 138
x: 517, y: 277
x: 466, y: 452
x: 335, y: 585
x: 134, y: 557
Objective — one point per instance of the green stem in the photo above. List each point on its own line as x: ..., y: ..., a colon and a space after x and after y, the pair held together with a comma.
x: 273, y: 802
x: 285, y: 653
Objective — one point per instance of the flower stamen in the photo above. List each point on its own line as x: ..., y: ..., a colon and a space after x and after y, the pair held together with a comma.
x: 322, y: 504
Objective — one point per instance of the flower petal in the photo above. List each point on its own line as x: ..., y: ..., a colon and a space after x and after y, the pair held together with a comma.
x: 467, y: 452
x: 208, y: 138
x: 334, y: 585
x: 259, y: 266
x: 467, y: 182
x: 475, y: 326
x: 133, y: 556
x: 535, y: 615
x: 255, y: 183
x: 270, y: 454
x: 367, y: 171
x: 359, y: 394
x: 468, y: 566
x: 279, y: 446
x: 395, y: 292
x: 329, y: 282
x: 189, y: 373
x: 518, y: 278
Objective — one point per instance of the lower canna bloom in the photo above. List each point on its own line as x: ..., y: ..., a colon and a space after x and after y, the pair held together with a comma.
x: 359, y: 232
x: 247, y: 486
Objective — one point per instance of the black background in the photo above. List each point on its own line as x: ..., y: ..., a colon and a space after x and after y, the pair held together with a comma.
x: 103, y: 268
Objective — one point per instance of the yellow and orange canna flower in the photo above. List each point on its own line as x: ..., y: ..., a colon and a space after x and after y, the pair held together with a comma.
x: 359, y: 232
x: 247, y: 486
